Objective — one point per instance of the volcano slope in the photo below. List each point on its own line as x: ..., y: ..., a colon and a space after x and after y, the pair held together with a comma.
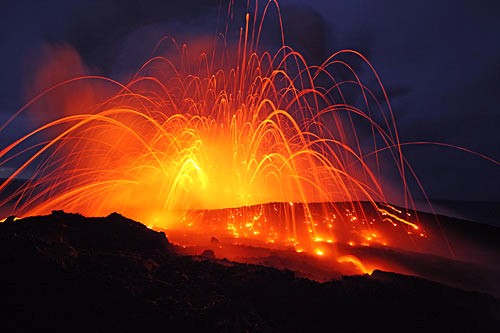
x: 66, y: 272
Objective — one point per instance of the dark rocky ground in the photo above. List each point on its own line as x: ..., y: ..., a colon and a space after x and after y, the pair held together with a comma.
x: 65, y: 272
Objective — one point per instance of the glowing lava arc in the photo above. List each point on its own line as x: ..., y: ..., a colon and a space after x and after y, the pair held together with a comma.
x: 235, y: 128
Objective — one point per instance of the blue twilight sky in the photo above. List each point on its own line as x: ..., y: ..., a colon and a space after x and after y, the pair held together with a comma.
x: 439, y: 60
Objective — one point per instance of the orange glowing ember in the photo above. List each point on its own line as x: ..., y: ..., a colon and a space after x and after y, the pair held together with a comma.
x: 237, y: 143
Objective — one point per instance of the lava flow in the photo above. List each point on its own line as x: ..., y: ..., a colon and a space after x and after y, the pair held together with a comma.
x: 233, y: 143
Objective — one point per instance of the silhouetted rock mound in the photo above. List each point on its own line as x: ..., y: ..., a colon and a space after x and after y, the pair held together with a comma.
x: 208, y: 254
x: 10, y: 219
x: 111, y: 233
x: 66, y: 272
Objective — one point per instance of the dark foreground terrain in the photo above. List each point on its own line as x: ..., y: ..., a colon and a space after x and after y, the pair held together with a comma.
x: 65, y: 272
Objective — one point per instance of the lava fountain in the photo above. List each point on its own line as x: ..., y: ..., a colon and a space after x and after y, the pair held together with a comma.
x: 232, y: 142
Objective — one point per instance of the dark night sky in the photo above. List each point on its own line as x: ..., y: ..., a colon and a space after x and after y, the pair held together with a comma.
x: 439, y: 60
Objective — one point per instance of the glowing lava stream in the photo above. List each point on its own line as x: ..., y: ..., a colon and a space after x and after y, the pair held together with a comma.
x: 233, y: 129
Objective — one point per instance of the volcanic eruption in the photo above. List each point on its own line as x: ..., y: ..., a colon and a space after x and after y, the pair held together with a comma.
x: 230, y: 141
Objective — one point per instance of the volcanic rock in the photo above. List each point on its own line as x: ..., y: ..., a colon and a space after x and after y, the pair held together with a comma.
x: 70, y: 273
x: 10, y: 219
x: 208, y: 254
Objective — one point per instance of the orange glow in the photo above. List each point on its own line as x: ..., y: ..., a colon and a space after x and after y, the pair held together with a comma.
x: 319, y: 252
x: 356, y: 262
x: 235, y: 142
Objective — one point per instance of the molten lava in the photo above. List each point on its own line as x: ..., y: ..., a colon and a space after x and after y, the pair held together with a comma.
x: 240, y: 144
